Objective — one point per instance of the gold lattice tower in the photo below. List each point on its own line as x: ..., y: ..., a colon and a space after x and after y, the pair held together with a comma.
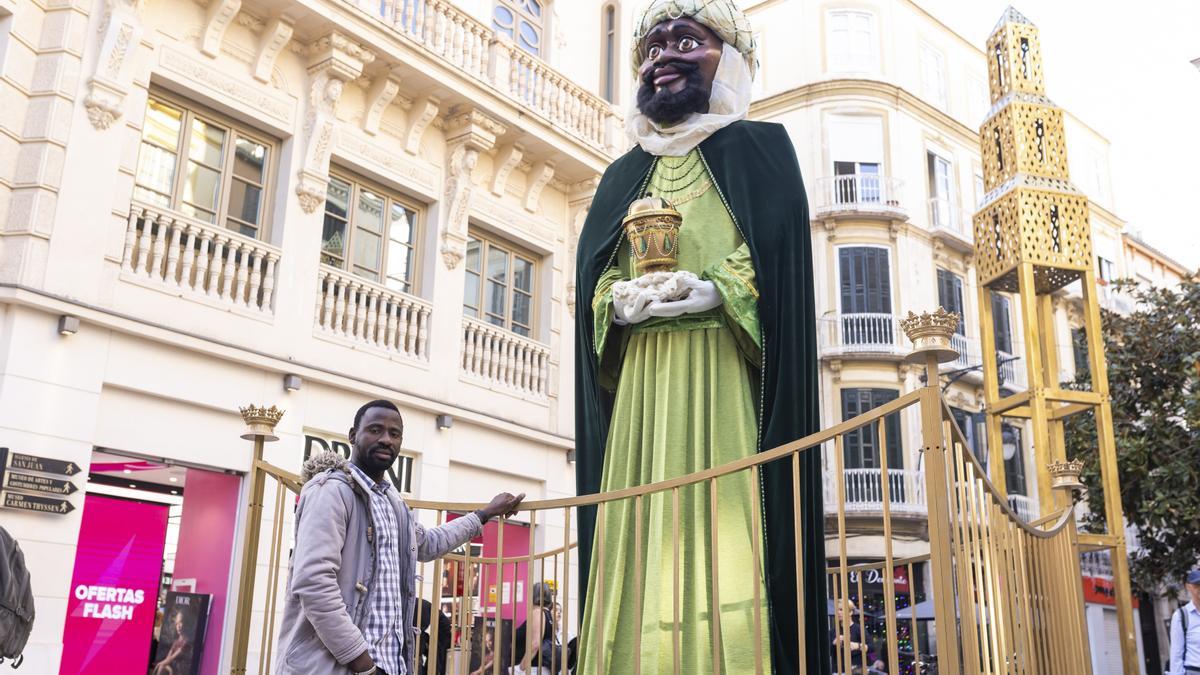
x: 1032, y: 237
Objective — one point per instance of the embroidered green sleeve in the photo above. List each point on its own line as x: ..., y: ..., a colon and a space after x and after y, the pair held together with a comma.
x: 735, y: 280
x: 602, y: 306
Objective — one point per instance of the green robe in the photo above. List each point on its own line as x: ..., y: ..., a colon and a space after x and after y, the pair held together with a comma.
x: 754, y: 167
x: 686, y: 400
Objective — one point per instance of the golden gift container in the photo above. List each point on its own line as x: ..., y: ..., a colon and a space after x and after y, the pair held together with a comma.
x: 652, y: 227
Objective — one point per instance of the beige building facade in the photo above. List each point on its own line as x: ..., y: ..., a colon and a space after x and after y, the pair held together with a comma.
x: 307, y: 204
x: 314, y: 203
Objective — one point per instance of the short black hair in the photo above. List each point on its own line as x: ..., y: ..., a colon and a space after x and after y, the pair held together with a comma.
x: 377, y: 403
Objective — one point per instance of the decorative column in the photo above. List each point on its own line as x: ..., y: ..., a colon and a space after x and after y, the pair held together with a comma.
x: 467, y: 134
x: 112, y: 76
x: 335, y: 60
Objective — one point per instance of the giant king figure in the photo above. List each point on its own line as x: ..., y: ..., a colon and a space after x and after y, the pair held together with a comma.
x: 714, y: 361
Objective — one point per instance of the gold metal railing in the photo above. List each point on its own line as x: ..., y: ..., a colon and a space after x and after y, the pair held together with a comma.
x: 1006, y: 595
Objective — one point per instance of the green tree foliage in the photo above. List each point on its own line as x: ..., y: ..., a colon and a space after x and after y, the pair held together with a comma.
x: 1154, y: 378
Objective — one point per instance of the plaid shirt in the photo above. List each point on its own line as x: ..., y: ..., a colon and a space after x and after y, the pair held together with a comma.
x: 385, y: 616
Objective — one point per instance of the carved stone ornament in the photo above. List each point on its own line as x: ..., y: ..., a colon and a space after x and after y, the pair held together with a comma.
x: 579, y: 201
x: 335, y: 62
x: 120, y: 34
x: 420, y: 116
x: 219, y: 15
x: 270, y: 44
x: 579, y: 210
x: 467, y: 134
x: 381, y: 94
x: 506, y: 160
x: 539, y: 176
x: 458, y: 198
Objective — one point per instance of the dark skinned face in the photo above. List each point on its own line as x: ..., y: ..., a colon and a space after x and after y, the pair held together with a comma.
x: 377, y: 441
x: 679, y: 62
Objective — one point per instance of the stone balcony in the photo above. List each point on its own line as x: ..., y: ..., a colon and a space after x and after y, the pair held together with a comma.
x: 862, y: 195
x: 864, y: 335
x: 863, y: 490
x: 433, y: 55
x: 951, y: 225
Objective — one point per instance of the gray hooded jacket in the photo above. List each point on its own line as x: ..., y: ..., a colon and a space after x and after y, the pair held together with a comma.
x: 333, y: 569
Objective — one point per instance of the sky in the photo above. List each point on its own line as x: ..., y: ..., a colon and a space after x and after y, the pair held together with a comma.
x: 1123, y: 68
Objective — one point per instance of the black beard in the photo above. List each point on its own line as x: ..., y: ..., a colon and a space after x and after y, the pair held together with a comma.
x: 665, y: 107
x: 366, y: 461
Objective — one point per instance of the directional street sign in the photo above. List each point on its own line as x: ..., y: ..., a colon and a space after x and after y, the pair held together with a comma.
x: 28, y: 481
x: 34, y: 503
x: 12, y: 479
x: 17, y: 460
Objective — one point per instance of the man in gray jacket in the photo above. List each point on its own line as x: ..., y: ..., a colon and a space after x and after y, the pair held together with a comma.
x: 352, y: 590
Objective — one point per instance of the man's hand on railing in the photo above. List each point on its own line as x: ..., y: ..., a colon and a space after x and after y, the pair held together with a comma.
x: 503, y: 504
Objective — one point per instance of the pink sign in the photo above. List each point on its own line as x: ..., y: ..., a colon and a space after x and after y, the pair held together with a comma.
x: 114, y: 589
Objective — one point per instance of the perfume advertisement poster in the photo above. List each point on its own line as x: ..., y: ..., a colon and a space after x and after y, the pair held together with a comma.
x: 181, y: 639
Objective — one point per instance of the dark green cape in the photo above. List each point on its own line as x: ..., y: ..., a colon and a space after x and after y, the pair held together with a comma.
x: 754, y: 164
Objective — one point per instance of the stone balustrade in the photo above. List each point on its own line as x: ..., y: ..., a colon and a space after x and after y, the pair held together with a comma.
x: 473, y: 47
x: 355, y: 309
x: 199, y: 259
x: 558, y: 99
x: 503, y: 358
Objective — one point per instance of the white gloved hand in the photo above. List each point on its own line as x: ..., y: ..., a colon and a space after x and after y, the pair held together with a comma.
x: 629, y: 305
x: 703, y: 297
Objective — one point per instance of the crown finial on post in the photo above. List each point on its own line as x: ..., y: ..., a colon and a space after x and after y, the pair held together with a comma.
x: 930, y: 335
x: 1065, y: 475
x: 260, y: 421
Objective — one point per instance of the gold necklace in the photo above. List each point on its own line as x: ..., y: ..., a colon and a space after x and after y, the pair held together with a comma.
x: 685, y: 198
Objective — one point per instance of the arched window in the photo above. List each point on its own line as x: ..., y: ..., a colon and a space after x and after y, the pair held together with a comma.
x: 608, y: 51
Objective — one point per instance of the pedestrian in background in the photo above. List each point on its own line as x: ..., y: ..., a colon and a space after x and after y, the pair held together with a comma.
x: 1185, y: 631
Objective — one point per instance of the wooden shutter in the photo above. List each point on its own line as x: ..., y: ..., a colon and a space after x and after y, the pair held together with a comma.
x: 950, y: 296
x: 1002, y: 323
x: 866, y: 283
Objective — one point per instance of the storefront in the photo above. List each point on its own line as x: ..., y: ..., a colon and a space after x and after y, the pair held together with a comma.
x: 867, y: 592
x: 151, y: 576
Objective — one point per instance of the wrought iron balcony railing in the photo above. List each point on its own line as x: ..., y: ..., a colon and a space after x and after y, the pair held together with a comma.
x: 1012, y: 372
x: 1023, y: 507
x: 860, y: 193
x: 859, y: 333
x: 864, y: 491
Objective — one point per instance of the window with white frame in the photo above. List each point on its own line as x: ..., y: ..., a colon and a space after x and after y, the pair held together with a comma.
x: 980, y: 191
x: 933, y: 75
x: 609, y: 76
x: 850, y: 41
x: 1106, y: 269
x: 941, y: 190
x: 522, y: 21
x: 856, y: 147
x: 203, y: 166
x: 500, y: 286
x: 369, y: 232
